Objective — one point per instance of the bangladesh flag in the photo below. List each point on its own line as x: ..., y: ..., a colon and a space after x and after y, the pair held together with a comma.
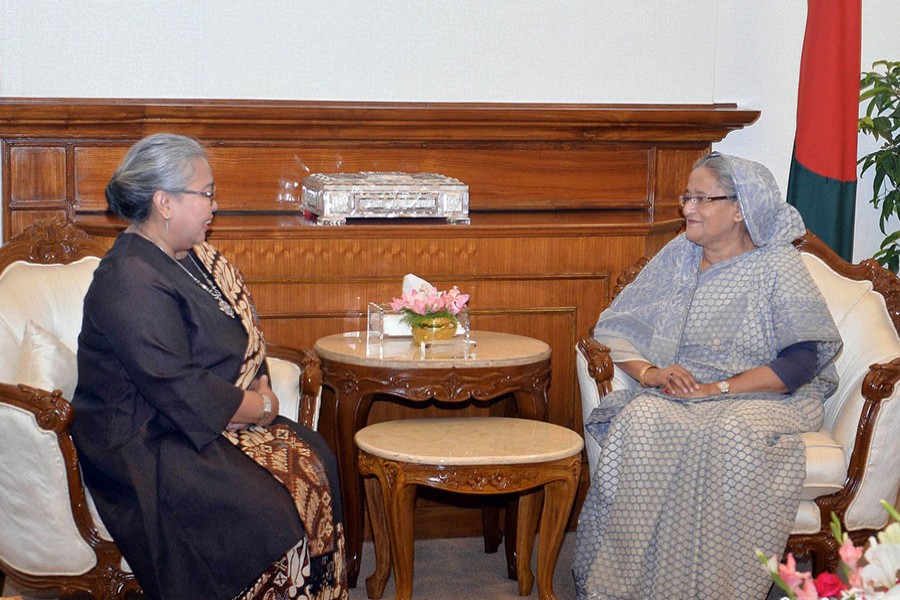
x: 822, y: 182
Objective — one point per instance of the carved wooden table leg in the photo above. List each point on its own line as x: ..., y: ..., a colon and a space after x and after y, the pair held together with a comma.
x: 558, y: 498
x: 376, y: 582
x: 529, y: 510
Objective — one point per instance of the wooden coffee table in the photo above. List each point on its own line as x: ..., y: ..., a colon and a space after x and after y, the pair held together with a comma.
x: 357, y: 370
x: 476, y: 455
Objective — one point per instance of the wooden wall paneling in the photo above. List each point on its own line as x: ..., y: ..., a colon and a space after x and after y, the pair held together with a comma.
x: 671, y: 164
x: 34, y: 184
x: 556, y: 176
x: 38, y: 177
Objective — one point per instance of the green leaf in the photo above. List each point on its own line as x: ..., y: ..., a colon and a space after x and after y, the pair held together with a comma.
x: 880, y: 94
x: 891, y: 511
x: 836, y: 529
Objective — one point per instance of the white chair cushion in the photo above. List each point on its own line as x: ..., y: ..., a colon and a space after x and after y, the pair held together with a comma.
x: 45, y: 362
x: 285, y: 381
x: 39, y: 535
x: 284, y: 378
x: 826, y: 469
x: 808, y: 520
x: 50, y: 295
x: 590, y: 399
x: 869, y: 337
x: 841, y: 293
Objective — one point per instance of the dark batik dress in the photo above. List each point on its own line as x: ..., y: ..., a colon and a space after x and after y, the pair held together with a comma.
x: 198, y: 512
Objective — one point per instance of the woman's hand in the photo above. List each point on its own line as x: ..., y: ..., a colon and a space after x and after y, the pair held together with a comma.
x: 704, y: 390
x: 254, y: 409
x: 674, y: 379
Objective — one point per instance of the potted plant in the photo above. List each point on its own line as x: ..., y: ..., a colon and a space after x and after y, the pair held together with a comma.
x: 881, y: 89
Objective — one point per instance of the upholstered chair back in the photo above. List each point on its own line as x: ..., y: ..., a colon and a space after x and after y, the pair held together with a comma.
x: 49, y: 296
x: 869, y: 337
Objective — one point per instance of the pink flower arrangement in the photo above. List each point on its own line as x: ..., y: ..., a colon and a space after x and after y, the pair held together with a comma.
x: 878, y: 578
x: 428, y: 303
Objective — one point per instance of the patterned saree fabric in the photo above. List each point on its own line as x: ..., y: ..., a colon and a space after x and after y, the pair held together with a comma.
x: 290, y: 459
x: 686, y: 489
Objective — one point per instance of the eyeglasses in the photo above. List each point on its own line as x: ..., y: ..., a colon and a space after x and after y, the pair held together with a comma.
x: 210, y: 195
x: 701, y: 200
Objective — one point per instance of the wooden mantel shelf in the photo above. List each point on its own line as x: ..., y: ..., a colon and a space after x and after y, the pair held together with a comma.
x: 483, y: 225
x: 371, y: 121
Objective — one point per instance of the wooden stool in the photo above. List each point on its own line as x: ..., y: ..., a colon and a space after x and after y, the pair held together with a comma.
x: 475, y: 455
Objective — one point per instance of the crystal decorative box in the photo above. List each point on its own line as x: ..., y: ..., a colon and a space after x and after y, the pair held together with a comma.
x: 336, y: 197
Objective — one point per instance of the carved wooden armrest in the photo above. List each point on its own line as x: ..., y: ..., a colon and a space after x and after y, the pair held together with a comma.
x: 878, y: 386
x: 310, y: 378
x: 600, y: 365
x: 54, y: 413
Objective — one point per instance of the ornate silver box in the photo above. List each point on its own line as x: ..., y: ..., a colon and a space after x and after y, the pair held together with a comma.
x: 336, y: 197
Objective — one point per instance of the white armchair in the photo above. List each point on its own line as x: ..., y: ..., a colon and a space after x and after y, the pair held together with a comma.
x: 51, y: 537
x: 854, y: 461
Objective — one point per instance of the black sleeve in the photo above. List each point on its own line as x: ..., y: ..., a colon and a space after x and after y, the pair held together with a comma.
x: 796, y: 364
x: 143, y: 321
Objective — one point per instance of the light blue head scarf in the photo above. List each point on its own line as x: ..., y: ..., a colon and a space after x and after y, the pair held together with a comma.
x: 769, y: 219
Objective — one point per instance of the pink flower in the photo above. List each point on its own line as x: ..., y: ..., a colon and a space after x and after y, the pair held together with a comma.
x: 808, y: 590
x: 428, y: 301
x: 455, y: 301
x: 788, y: 573
x: 850, y: 556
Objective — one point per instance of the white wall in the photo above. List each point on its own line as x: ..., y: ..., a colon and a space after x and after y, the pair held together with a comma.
x: 597, y: 51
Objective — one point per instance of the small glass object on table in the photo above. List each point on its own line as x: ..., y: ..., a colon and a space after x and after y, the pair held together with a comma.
x: 383, y: 323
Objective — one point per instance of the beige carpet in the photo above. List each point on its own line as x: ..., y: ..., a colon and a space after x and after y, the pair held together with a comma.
x: 458, y: 569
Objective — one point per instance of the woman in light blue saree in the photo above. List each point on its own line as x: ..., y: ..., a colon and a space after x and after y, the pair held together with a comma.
x: 732, y: 345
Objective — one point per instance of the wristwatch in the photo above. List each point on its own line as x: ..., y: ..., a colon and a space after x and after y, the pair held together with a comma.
x: 267, y: 409
x: 724, y: 387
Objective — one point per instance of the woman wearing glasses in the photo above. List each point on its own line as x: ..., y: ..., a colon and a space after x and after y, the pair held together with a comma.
x: 176, y: 425
x: 731, y: 346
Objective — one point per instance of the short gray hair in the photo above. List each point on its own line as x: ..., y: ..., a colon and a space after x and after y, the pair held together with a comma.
x: 720, y: 167
x: 162, y: 161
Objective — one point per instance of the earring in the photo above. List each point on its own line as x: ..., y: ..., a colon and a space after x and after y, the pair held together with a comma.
x: 167, y: 225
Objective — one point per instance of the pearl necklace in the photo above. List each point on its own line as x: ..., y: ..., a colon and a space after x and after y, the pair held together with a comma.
x: 209, y: 287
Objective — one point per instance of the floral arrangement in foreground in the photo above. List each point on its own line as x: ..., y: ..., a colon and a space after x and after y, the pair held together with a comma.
x: 427, y: 303
x: 877, y: 577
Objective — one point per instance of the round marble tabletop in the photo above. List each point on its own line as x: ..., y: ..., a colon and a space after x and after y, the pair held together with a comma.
x: 469, y: 441
x: 492, y: 349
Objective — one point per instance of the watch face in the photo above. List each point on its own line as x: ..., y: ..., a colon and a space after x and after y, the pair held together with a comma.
x: 724, y: 387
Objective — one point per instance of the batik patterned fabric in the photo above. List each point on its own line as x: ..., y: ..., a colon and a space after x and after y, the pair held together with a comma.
x: 314, y: 568
x: 231, y: 283
x: 686, y: 490
x: 290, y: 460
x: 299, y: 576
